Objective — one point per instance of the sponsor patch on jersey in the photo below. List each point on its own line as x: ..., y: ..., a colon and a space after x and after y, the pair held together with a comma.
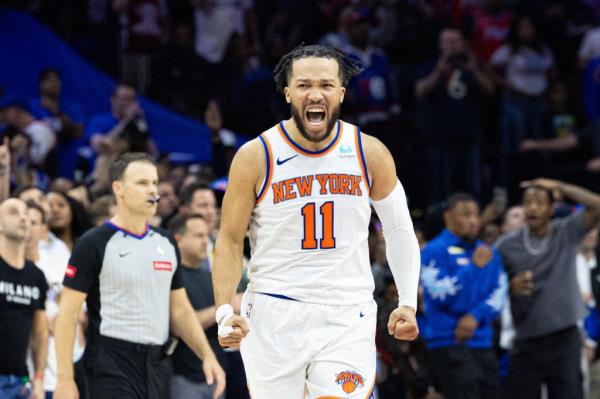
x: 452, y: 250
x: 162, y: 265
x: 71, y: 271
x: 349, y: 381
x: 346, y: 152
x: 345, y: 149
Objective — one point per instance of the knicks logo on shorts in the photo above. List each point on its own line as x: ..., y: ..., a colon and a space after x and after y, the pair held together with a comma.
x: 349, y: 380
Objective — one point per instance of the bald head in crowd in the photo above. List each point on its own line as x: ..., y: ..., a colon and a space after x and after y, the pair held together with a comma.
x: 14, y: 220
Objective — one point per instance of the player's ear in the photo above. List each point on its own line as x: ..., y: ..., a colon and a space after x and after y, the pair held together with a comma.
x: 117, y: 187
x: 286, y: 92
x: 342, y: 94
x: 177, y: 237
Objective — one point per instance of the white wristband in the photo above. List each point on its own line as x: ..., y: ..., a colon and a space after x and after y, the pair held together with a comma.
x: 223, y: 311
x: 222, y: 315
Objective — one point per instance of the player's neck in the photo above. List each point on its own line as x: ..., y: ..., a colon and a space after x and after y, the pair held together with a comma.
x: 292, y: 129
x: 135, y: 224
x: 13, y: 252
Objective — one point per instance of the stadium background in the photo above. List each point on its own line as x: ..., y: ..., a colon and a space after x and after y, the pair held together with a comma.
x: 203, y: 73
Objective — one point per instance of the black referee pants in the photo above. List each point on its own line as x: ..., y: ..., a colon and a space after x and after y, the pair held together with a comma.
x: 465, y: 373
x: 553, y: 359
x: 119, y: 369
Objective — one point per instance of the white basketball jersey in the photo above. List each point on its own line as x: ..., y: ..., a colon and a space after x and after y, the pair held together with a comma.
x: 309, y: 229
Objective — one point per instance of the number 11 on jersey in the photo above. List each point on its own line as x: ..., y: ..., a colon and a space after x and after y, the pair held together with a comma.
x: 310, y: 239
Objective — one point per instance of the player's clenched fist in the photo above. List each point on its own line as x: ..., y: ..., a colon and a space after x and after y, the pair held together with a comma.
x: 403, y: 324
x: 232, y: 331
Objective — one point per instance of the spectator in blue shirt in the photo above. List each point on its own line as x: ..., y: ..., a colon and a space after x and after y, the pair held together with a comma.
x: 464, y: 290
x: 122, y: 130
x: 65, y: 117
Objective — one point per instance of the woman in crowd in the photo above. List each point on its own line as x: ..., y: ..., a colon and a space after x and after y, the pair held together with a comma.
x: 69, y: 218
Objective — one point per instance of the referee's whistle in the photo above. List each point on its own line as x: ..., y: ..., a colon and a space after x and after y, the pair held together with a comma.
x: 154, y: 199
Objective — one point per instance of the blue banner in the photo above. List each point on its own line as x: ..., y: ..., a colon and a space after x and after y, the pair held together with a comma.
x: 27, y: 47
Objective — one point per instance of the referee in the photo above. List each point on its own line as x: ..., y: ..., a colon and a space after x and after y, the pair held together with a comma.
x: 129, y: 275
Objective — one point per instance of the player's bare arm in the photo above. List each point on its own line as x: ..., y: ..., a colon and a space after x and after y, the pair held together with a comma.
x: 71, y: 302
x: 185, y: 325
x: 245, y: 176
x: 402, y: 252
x: 4, y: 169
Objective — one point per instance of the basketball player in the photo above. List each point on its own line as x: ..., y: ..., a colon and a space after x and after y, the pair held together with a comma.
x: 305, y: 187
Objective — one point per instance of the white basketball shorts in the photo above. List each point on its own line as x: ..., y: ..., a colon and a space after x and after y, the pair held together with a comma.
x: 298, y: 350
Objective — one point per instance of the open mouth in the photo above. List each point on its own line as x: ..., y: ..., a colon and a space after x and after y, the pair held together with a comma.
x: 315, y: 116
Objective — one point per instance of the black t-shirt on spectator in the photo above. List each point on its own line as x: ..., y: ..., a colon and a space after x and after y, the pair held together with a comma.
x: 22, y: 292
x: 452, y: 110
x: 558, y: 125
x: 589, y: 140
x: 198, y: 286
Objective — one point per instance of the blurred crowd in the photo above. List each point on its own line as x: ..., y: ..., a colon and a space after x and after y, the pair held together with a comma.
x: 470, y: 96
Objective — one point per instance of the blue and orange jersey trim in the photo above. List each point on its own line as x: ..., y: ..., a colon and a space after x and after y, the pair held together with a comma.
x: 298, y: 148
x: 361, y: 158
x: 268, y: 170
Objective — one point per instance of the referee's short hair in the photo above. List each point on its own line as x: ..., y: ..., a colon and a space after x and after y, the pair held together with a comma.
x: 117, y: 168
x: 178, y: 225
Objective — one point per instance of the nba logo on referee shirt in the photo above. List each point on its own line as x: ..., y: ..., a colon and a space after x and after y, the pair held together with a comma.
x: 249, y: 310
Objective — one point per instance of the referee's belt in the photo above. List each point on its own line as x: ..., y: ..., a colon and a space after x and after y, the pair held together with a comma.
x: 128, y: 345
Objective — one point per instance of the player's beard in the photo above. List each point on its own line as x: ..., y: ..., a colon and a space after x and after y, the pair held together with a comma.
x: 335, y: 114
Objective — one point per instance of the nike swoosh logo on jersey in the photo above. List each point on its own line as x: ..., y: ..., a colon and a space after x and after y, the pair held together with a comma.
x: 362, y: 315
x: 124, y: 254
x: 279, y: 162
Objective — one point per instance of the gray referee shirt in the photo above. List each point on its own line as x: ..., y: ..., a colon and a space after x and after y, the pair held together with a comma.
x: 128, y: 279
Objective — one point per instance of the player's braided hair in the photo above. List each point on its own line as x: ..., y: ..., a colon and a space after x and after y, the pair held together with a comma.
x: 349, y: 67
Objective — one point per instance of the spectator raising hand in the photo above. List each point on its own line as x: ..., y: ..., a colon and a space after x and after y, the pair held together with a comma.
x: 4, y: 169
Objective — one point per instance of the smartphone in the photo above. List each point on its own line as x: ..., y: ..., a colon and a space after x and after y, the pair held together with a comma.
x: 500, y: 197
